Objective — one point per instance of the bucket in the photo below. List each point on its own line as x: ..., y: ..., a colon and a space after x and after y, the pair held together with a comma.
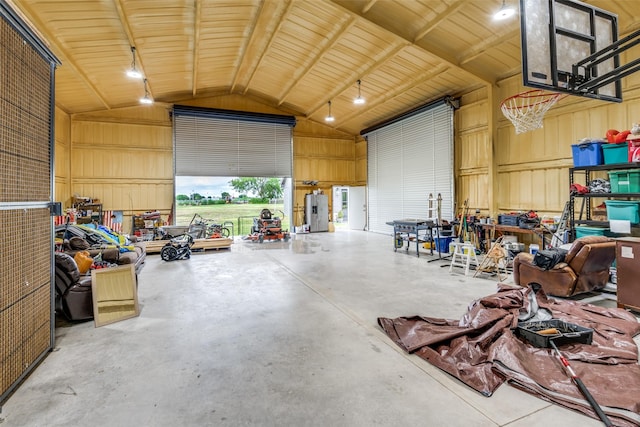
x: 83, y: 260
x: 443, y: 244
x: 533, y: 248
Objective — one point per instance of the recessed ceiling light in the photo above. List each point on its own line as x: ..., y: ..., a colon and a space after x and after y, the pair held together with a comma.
x: 504, y: 12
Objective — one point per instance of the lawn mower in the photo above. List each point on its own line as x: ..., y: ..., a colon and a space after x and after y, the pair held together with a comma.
x: 177, y: 248
x: 267, y: 227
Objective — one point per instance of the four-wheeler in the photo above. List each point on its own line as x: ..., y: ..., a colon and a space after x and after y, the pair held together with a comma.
x: 267, y: 227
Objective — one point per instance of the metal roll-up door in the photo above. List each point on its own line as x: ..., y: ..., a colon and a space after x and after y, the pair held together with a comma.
x: 210, y: 142
x: 407, y: 160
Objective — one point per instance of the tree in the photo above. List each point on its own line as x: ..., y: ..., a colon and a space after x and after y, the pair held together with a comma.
x: 266, y: 188
x: 272, y: 189
x: 182, y: 197
x: 196, y: 196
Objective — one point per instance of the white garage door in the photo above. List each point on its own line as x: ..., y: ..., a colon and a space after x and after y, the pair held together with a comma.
x: 409, y: 159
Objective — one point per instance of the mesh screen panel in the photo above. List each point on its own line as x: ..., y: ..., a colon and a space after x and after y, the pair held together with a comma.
x: 25, y: 126
x: 25, y: 225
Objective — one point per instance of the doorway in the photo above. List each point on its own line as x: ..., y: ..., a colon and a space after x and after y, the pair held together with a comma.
x: 349, y: 207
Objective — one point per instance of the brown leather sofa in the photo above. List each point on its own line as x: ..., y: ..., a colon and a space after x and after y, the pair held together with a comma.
x: 73, y: 291
x: 585, y: 268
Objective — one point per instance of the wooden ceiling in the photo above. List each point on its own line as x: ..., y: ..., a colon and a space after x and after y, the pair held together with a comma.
x: 295, y: 55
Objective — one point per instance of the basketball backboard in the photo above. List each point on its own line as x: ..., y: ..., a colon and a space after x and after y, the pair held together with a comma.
x: 558, y: 34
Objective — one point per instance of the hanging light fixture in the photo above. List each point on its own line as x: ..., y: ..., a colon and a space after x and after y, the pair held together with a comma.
x: 146, y: 99
x: 359, y: 100
x: 329, y: 117
x: 504, y: 12
x: 133, y: 72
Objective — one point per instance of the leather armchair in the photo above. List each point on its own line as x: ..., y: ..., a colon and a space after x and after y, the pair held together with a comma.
x: 585, y: 269
x: 73, y: 292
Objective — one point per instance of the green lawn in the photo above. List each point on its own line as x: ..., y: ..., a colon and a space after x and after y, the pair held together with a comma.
x: 241, y: 215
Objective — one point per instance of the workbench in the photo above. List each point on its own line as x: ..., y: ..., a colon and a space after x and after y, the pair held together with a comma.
x: 512, y: 229
x: 412, y: 230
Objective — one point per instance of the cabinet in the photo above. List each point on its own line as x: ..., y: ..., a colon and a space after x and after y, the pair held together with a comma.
x: 146, y: 225
x: 87, y: 213
x: 628, y: 270
x: 585, y: 200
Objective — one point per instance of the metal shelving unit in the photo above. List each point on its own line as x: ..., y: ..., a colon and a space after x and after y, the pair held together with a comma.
x: 586, y: 197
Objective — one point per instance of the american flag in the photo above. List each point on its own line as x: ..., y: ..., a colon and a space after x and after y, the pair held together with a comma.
x: 113, y: 220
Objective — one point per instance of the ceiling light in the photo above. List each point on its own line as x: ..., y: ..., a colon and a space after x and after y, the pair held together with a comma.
x: 133, y: 72
x: 359, y: 100
x: 504, y: 12
x: 329, y: 117
x: 146, y: 99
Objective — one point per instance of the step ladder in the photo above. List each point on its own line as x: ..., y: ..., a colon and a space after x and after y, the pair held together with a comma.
x: 558, y: 237
x: 464, y: 255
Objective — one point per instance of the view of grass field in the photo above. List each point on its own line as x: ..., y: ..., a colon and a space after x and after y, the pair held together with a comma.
x: 240, y: 214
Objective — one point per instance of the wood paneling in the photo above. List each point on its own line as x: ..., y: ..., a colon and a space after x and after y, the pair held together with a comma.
x: 61, y: 157
x: 124, y: 157
x: 531, y: 168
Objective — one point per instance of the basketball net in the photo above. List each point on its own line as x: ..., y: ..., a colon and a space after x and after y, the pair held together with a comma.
x: 526, y: 110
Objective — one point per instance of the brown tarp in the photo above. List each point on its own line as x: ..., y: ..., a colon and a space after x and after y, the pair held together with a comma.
x: 482, y: 350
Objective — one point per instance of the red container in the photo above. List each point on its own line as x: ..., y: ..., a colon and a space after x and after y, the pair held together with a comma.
x: 634, y: 150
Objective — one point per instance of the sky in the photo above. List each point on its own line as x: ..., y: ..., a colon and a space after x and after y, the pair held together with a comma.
x: 206, y: 186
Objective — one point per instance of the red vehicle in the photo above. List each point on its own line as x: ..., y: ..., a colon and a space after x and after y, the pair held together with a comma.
x: 267, y: 227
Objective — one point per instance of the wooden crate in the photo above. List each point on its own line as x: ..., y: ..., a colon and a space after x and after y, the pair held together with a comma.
x: 155, y: 246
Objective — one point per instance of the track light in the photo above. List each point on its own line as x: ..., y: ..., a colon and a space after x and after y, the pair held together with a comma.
x: 359, y: 100
x: 146, y: 99
x: 133, y: 72
x: 504, y: 12
x: 329, y: 117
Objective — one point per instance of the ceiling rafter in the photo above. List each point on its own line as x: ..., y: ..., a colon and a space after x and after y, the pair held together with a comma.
x: 63, y: 55
x: 346, y: 26
x: 399, y: 90
x: 272, y: 36
x: 446, y: 57
x: 197, y: 21
x: 433, y: 23
x: 124, y: 21
x: 477, y: 50
x: 243, y: 50
x: 368, y: 6
x: 361, y: 71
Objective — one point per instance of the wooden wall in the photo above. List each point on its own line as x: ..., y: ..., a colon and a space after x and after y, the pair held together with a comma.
x: 499, y: 171
x: 324, y: 155
x: 62, y: 136
x: 124, y: 157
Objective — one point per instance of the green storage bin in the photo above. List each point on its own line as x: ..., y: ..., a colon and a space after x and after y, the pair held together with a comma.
x: 625, y: 181
x: 615, y: 153
x: 623, y: 210
x: 583, y: 231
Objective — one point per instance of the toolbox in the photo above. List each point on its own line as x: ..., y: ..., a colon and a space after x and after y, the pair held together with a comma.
x: 559, y: 331
x: 505, y: 219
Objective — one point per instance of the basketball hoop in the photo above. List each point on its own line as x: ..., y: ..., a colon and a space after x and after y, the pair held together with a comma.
x: 526, y: 110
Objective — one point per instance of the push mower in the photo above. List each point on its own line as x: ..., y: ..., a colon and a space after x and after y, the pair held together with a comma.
x: 177, y: 248
x: 267, y: 227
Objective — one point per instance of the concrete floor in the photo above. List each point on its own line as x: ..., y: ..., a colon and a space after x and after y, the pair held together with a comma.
x: 273, y: 334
